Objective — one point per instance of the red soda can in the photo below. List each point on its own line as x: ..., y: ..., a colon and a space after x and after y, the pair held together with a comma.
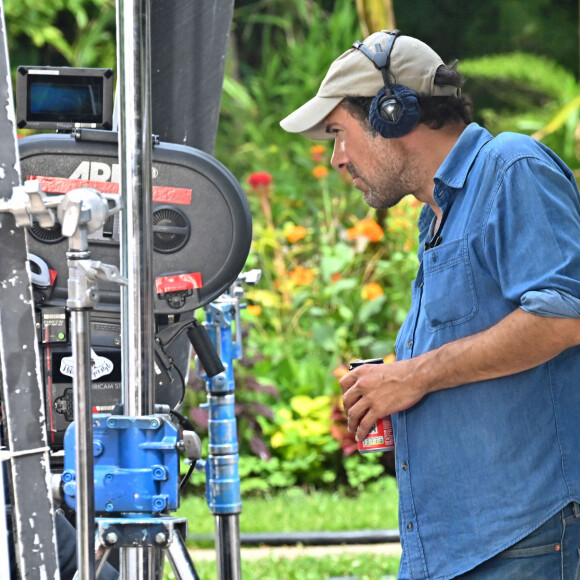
x: 380, y: 438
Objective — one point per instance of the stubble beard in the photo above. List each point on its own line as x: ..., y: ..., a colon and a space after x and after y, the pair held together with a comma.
x: 384, y: 197
x: 386, y: 190
x: 395, y: 177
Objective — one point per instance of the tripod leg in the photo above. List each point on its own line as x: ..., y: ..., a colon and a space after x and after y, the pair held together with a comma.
x: 180, y: 560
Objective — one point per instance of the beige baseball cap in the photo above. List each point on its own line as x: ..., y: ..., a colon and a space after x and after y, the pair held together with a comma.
x: 413, y: 64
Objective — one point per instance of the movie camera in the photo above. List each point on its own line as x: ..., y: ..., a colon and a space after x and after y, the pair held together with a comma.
x: 201, y: 236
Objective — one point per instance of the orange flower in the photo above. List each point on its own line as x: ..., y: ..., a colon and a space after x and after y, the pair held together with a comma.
x: 372, y: 291
x: 295, y: 233
x: 320, y: 171
x: 259, y: 179
x: 366, y: 228
x: 301, y: 276
x: 317, y: 153
x: 336, y: 277
x: 254, y: 309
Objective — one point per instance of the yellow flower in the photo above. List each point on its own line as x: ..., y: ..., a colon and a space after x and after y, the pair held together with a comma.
x: 372, y: 291
x: 277, y: 440
x: 302, y: 276
x: 295, y: 233
x: 320, y: 171
x: 255, y: 309
x: 400, y: 224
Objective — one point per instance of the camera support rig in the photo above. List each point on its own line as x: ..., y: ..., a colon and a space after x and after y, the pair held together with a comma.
x: 140, y: 426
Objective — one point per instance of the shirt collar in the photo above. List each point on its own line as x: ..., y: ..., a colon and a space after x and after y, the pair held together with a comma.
x: 453, y: 172
x: 455, y: 168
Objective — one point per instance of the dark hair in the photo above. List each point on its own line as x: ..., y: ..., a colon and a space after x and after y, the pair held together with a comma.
x: 436, y: 112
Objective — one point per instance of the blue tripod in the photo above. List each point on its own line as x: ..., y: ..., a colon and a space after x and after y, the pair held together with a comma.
x: 223, y: 324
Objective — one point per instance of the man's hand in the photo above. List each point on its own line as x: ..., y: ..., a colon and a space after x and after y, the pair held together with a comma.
x: 517, y: 343
x: 374, y: 391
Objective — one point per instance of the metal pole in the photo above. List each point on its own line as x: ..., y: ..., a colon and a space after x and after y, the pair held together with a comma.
x: 227, y: 533
x: 85, y: 508
x: 135, y: 137
x: 136, y: 231
x: 140, y: 562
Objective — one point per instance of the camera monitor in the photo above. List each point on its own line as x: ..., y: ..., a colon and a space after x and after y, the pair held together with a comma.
x: 64, y: 98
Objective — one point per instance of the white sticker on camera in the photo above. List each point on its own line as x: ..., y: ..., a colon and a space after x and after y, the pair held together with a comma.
x: 100, y: 366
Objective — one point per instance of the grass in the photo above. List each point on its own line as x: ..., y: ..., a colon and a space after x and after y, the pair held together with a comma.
x: 297, y: 510
x: 361, y: 566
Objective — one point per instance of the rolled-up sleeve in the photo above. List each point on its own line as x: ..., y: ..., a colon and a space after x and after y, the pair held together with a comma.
x: 533, y: 238
x: 551, y: 303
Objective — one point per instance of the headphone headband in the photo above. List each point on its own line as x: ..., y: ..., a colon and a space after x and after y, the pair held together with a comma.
x: 381, y: 58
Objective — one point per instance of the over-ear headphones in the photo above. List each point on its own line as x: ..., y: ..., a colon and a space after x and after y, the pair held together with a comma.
x: 395, y: 110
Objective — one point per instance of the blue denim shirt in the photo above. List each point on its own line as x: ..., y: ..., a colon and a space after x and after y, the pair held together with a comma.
x: 481, y: 466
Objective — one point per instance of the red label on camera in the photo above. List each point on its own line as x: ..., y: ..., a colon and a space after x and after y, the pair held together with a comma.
x: 62, y: 185
x: 178, y: 283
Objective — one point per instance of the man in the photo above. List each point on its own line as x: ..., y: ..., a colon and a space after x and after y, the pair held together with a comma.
x: 485, y: 393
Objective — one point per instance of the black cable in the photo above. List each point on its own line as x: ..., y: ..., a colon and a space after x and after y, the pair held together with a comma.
x: 183, y: 385
x: 186, y: 477
x: 186, y: 425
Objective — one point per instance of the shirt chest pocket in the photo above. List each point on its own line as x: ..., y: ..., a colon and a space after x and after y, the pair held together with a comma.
x: 449, y: 296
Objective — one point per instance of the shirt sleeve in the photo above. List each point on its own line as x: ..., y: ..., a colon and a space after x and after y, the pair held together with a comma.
x: 532, y: 237
x: 551, y: 303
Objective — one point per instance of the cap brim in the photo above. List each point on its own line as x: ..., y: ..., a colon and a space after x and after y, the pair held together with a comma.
x: 308, y: 120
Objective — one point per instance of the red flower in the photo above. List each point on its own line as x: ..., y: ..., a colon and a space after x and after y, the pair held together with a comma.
x: 259, y: 179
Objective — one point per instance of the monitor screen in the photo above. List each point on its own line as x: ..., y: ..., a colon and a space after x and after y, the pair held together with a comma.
x: 64, y: 98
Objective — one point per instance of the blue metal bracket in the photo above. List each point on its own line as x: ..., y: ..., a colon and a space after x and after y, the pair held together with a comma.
x: 136, y: 464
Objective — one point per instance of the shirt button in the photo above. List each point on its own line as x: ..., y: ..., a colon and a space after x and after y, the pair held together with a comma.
x: 410, y: 344
x: 410, y: 527
x: 405, y: 466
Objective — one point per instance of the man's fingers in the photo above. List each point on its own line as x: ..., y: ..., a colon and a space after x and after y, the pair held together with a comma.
x: 355, y: 413
x: 365, y: 425
x: 347, y: 381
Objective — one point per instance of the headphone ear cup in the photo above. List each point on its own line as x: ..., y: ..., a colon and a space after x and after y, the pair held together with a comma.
x: 394, y: 114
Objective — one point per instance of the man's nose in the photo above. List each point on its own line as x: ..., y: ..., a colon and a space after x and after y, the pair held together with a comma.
x: 339, y: 159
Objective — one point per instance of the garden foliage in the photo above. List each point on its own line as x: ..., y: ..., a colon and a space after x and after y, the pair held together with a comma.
x: 335, y: 274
